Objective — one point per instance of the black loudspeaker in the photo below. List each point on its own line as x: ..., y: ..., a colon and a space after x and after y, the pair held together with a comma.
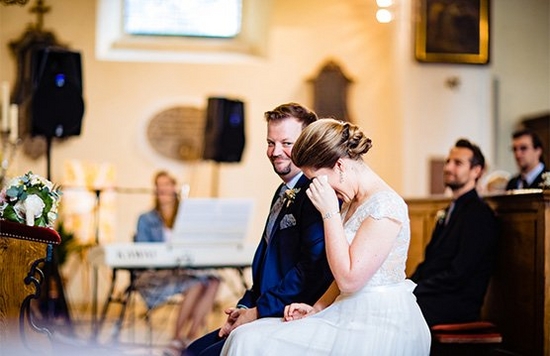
x: 57, y: 106
x: 224, y: 131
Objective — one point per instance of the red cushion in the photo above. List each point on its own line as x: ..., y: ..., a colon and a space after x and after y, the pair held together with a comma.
x: 477, y: 332
x: 473, y: 326
x: 29, y: 233
x: 488, y: 338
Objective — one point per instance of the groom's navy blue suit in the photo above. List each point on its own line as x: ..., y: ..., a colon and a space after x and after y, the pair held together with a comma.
x: 292, y: 267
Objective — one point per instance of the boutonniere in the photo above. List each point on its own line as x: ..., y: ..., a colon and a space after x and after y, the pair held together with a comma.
x: 290, y: 195
x: 545, y: 184
x: 440, y: 216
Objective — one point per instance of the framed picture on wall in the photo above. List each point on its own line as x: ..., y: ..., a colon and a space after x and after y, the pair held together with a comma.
x: 452, y: 31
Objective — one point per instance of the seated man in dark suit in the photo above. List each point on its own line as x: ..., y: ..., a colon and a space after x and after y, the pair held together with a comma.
x: 453, y: 278
x: 290, y: 264
x: 528, y: 150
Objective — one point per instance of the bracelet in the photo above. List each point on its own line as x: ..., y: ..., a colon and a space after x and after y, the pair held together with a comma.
x: 330, y: 215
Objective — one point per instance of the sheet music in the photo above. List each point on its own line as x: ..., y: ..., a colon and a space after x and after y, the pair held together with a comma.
x: 212, y: 221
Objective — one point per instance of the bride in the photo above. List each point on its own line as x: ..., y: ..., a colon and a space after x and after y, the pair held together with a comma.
x: 370, y: 308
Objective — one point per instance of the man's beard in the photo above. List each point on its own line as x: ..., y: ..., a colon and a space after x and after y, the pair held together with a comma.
x: 455, y: 185
x: 284, y: 171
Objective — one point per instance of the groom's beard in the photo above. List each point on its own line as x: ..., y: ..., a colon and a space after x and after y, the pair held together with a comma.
x: 282, y: 164
x: 282, y: 171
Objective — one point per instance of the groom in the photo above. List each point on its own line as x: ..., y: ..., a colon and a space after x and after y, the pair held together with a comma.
x: 290, y: 264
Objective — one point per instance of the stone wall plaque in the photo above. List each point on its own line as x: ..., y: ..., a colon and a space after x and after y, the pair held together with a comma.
x: 178, y: 133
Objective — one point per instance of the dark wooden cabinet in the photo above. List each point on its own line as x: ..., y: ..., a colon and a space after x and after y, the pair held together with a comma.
x: 518, y: 299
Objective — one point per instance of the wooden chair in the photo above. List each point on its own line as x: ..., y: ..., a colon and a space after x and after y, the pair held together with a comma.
x: 474, y: 338
x: 24, y: 251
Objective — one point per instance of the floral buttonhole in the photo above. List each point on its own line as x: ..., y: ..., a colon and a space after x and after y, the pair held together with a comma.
x: 290, y: 196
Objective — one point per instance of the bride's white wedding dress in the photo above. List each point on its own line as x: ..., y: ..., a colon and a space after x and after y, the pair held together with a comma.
x: 382, y: 318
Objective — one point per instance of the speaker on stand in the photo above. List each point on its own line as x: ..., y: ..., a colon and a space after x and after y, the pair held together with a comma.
x: 224, y: 137
x: 57, y: 106
x: 56, y: 110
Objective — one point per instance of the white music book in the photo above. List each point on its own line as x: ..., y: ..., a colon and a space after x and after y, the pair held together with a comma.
x: 213, y: 221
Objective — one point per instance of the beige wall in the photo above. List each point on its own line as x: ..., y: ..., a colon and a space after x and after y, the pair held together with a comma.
x: 403, y: 105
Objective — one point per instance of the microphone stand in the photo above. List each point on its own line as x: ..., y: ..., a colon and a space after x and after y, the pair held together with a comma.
x: 54, y: 291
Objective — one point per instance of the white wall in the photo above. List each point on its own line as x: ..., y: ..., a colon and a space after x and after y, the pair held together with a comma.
x: 520, y: 69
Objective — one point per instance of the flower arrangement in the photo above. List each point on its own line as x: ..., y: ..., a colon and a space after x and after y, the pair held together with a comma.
x: 545, y: 180
x: 290, y: 195
x: 30, y: 199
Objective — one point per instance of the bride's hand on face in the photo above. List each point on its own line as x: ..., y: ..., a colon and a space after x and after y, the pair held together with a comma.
x: 297, y: 311
x: 322, y: 195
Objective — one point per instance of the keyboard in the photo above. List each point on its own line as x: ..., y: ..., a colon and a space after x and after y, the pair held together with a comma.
x: 170, y: 255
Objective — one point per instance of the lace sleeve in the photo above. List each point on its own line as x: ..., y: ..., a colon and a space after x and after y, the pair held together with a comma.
x: 388, y: 204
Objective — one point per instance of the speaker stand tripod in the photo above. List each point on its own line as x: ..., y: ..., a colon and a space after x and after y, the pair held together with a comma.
x: 53, y: 305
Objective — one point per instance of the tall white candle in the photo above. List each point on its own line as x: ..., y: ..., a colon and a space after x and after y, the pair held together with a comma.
x: 5, y: 106
x: 14, y: 116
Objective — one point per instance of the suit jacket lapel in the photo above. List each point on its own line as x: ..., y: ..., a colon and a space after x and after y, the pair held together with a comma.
x: 442, y: 230
x: 301, y: 182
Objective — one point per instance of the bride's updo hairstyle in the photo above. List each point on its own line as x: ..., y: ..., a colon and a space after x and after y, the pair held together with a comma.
x: 323, y: 142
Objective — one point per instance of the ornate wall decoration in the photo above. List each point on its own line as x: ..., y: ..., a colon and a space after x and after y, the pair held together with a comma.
x: 330, y: 89
x: 178, y: 133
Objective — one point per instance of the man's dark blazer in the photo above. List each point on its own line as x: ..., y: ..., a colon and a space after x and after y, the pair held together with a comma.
x: 453, y: 278
x: 513, y: 182
x: 293, y: 267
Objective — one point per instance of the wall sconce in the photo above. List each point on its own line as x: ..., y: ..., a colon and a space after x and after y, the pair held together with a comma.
x: 453, y: 82
x: 384, y: 14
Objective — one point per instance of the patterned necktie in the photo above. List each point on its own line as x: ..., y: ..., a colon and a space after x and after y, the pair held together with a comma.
x: 275, y: 210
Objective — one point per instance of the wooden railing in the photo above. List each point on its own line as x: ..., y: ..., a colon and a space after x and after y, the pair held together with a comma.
x: 518, y: 299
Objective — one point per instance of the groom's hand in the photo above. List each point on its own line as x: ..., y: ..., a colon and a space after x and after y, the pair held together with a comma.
x: 232, y: 315
x: 236, y: 318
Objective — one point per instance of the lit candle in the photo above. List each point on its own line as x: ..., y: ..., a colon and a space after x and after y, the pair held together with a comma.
x: 5, y: 105
x: 14, y: 115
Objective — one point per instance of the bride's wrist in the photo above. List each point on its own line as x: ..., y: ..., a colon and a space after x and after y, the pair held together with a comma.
x: 330, y: 214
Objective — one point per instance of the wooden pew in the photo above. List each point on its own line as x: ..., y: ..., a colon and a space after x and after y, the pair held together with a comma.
x: 518, y: 299
x: 23, y: 250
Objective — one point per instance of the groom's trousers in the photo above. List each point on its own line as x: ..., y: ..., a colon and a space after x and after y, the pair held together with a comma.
x: 208, y: 345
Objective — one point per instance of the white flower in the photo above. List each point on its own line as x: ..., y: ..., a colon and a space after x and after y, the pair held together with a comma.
x: 33, y: 206
x: 52, y: 215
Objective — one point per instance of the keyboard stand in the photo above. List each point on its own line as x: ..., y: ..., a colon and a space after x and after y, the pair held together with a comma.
x: 123, y: 300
